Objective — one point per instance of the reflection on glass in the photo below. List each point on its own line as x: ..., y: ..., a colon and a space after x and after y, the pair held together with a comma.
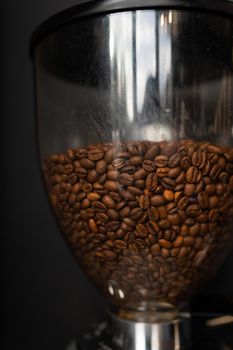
x: 143, y: 85
x: 121, y: 55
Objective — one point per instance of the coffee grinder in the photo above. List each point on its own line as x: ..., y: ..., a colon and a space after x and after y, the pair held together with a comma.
x: 134, y: 103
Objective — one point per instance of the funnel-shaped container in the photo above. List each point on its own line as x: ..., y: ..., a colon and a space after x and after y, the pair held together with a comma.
x: 135, y: 121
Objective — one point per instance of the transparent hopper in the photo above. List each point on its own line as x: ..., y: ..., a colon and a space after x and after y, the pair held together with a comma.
x: 135, y: 121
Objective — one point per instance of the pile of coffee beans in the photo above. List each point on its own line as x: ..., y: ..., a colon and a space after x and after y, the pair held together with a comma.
x: 148, y: 221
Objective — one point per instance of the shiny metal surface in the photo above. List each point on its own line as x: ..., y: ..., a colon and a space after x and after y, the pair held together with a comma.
x: 128, y: 335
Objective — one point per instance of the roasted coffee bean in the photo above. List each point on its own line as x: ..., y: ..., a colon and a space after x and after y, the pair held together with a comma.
x: 126, y: 179
x: 157, y: 200
x: 189, y: 189
x: 183, y: 203
x: 161, y: 211
x: 112, y: 185
x: 168, y: 195
x: 144, y: 202
x: 141, y: 230
x: 136, y: 214
x: 168, y: 183
x: 129, y: 169
x: 174, y: 160
x: 193, y: 210
x: 101, y: 166
x: 152, y: 152
x: 140, y: 174
x: 134, y: 190
x: 99, y: 206
x: 152, y: 213
x: 119, y: 244
x: 203, y: 199
x: 92, y: 176
x: 95, y: 154
x: 161, y: 161
x: 149, y: 165
x: 136, y: 161
x: 151, y: 182
x: 193, y: 175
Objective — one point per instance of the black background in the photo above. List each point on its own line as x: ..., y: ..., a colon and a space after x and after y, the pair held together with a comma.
x: 47, y: 300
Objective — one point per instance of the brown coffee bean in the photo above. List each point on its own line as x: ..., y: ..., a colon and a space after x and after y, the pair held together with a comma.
x: 165, y: 244
x: 118, y: 244
x: 189, y: 189
x: 129, y: 169
x: 213, y: 202
x: 174, y: 219
x: 165, y: 253
x: 158, y: 200
x: 102, y: 217
x: 109, y: 254
x: 215, y: 171
x: 199, y: 158
x: 115, y: 196
x: 135, y: 160
x: 149, y: 165
x: 141, y: 230
x: 125, y: 212
x: 183, y: 252
x: 112, y: 214
x: 152, y: 152
x: 112, y: 185
x: 189, y: 241
x: 134, y: 190
x: 98, y: 206
x: 92, y: 176
x: 185, y: 163
x: 178, y: 242
x: 155, y: 249
x: 214, y: 149
x: 92, y: 225
x: 168, y: 148
x: 195, y: 229
x: 118, y: 163
x: 144, y: 202
x: 193, y: 210
x: 174, y: 160
x: 87, y: 163
x: 164, y: 224
x: 181, y: 178
x: 203, y: 199
x: 183, y: 203
x: 153, y: 213
x: 193, y: 175
x: 108, y: 201
x: 101, y: 166
x: 112, y: 226
x: 92, y: 196
x: 136, y: 214
x: 113, y: 175
x: 95, y: 154
x: 140, y: 174
x: 175, y: 173
x: 126, y: 179
x: 213, y: 215
x: 219, y: 189
x: 161, y: 161
x: 140, y: 184
x: 151, y: 182
x: 168, y: 195
x: 162, y: 172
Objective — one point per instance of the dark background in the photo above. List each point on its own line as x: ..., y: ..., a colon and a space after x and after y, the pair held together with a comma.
x: 47, y: 300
